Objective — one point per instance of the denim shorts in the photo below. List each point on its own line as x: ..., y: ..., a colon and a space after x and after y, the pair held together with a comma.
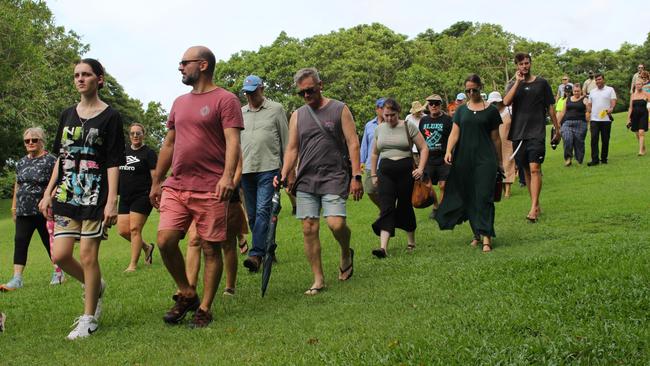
x: 308, y: 205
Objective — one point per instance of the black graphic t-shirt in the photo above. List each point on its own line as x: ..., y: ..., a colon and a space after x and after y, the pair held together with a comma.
x: 32, y: 176
x: 435, y: 131
x: 529, y: 109
x: 135, y: 174
x: 85, y: 151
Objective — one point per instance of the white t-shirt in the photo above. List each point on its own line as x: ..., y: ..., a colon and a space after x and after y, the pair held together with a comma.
x: 600, y: 100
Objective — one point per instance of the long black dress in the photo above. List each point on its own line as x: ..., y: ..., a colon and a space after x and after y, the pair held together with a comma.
x: 469, y: 194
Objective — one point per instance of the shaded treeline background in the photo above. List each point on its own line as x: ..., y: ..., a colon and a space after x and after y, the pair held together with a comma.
x: 357, y: 65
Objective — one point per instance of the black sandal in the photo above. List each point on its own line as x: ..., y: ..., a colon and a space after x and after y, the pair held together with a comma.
x: 348, y: 268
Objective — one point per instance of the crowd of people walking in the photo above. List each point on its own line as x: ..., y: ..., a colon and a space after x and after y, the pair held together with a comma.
x: 468, y: 150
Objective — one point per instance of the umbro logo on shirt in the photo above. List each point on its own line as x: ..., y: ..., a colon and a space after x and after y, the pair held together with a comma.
x: 130, y: 159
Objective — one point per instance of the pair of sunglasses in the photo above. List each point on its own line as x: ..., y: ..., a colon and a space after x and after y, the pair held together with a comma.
x: 434, y: 102
x: 303, y: 93
x: 472, y: 91
x: 31, y: 141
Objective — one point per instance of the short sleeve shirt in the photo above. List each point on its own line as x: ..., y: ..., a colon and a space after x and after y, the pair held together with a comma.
x: 529, y: 108
x: 436, y: 133
x: 135, y: 174
x: 600, y: 100
x: 392, y: 143
x: 200, y: 145
x: 86, y: 149
x: 32, y: 177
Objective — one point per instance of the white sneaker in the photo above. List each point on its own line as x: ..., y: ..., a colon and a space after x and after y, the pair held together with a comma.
x: 85, y: 325
x: 57, y: 278
x: 98, y: 308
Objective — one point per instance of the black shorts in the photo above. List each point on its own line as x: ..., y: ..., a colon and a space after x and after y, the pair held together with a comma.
x: 138, y: 203
x: 530, y: 151
x: 437, y: 172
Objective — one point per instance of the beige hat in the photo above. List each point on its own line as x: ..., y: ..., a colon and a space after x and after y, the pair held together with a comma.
x: 434, y: 97
x: 417, y: 107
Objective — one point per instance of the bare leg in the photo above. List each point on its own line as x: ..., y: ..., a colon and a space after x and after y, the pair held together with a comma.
x: 89, y: 254
x: 342, y: 235
x: 487, y: 244
x: 136, y: 222
x: 229, y: 248
x: 310, y: 228
x: 442, y: 184
x: 384, y: 238
x: 62, y: 256
x: 211, y: 272
x: 507, y: 192
x: 535, y: 187
x: 193, y: 256
x: 410, y: 237
x: 173, y: 259
x: 640, y: 134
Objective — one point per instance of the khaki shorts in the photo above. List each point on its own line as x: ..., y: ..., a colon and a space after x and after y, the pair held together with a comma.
x: 65, y: 227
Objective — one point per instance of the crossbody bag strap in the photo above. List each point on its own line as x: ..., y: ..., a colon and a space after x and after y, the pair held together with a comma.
x: 410, y: 142
x: 327, y: 133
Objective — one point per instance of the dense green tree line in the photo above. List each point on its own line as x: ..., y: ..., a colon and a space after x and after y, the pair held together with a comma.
x: 365, y: 62
x: 36, y: 84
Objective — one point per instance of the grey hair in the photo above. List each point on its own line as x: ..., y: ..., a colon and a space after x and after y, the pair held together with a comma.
x: 36, y: 131
x: 305, y: 73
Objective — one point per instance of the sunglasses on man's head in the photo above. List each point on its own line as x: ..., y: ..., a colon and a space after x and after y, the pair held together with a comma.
x: 434, y: 102
x: 31, y: 141
x: 472, y: 90
x: 303, y: 93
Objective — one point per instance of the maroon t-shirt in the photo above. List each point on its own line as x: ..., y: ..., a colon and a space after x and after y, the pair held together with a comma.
x: 200, y: 144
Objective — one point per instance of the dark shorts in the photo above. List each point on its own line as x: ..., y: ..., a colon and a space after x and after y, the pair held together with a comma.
x: 438, y: 172
x: 139, y: 204
x: 530, y: 151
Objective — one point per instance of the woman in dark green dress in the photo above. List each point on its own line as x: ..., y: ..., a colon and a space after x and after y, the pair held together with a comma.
x: 474, y: 153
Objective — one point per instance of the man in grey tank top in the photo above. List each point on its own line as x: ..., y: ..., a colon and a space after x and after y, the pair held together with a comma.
x: 322, y: 134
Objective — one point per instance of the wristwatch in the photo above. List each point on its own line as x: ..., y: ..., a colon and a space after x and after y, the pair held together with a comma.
x: 357, y: 177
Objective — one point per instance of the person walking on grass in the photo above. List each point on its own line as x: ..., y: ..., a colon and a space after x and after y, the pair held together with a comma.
x: 366, y: 150
x: 531, y: 98
x: 201, y: 183
x: 82, y: 192
x: 135, y: 183
x: 638, y: 113
x: 321, y: 135
x: 474, y: 153
x: 395, y: 175
x: 574, y: 119
x: 602, y: 101
x: 435, y: 129
x: 263, y: 141
x: 33, y: 172
x: 509, y: 166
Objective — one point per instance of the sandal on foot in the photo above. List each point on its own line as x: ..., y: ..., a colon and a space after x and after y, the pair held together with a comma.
x: 475, y: 241
x: 348, y: 268
x: 531, y: 219
x: 243, y: 247
x: 229, y: 291
x: 410, y: 247
x: 379, y: 253
x: 488, y: 246
x: 148, y: 259
x: 314, y: 291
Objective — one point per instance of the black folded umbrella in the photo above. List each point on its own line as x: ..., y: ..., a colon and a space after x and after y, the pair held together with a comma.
x: 267, y: 261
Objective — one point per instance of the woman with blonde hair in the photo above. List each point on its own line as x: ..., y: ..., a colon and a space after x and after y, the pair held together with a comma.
x: 32, y: 175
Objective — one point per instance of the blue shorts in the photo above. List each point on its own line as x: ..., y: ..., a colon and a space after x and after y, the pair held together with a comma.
x: 308, y: 205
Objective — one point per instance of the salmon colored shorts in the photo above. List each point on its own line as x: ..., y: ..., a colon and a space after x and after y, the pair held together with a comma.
x: 179, y: 208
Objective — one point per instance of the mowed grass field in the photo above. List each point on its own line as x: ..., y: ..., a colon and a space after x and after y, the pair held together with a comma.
x: 571, y: 289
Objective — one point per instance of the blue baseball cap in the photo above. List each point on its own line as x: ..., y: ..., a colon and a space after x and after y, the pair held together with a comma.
x: 460, y: 96
x: 251, y: 83
x: 380, y: 102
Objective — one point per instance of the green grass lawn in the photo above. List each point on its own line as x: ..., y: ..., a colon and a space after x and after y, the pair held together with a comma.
x: 573, y: 288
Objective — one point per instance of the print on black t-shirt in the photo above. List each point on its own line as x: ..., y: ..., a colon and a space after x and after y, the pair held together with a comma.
x: 436, y: 133
x: 135, y: 174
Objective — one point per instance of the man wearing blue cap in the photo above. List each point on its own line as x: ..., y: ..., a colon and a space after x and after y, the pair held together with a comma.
x: 366, y: 149
x: 451, y: 108
x: 263, y: 143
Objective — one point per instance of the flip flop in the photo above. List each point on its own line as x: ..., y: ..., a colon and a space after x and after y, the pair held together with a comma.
x: 489, y: 248
x: 229, y: 291
x: 243, y: 247
x: 149, y: 258
x: 410, y: 247
x: 348, y: 268
x: 314, y: 291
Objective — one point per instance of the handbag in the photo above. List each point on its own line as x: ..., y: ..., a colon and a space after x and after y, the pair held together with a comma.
x: 423, y: 194
x: 498, y: 186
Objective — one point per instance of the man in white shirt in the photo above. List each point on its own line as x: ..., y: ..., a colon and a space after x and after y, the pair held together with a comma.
x: 602, y: 100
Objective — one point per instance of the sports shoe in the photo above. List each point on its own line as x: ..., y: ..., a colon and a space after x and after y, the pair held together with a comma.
x: 57, y: 277
x: 181, y: 308
x: 13, y: 284
x: 85, y: 325
x: 2, y: 322
x: 253, y: 263
x: 98, y: 308
x: 201, y: 319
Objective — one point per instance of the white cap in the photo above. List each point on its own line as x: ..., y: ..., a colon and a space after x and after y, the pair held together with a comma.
x: 495, y: 96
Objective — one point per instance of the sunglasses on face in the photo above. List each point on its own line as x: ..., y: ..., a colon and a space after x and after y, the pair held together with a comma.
x: 434, y: 103
x: 303, y: 93
x: 31, y: 141
x: 185, y: 62
x: 472, y: 91
x: 135, y: 133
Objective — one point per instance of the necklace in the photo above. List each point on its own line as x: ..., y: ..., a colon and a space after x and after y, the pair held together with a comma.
x: 473, y: 111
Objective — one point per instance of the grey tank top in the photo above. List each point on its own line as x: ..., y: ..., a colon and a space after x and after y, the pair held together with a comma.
x: 321, y: 169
